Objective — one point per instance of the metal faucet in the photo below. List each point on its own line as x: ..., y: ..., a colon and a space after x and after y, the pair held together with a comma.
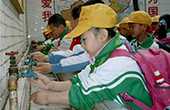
x: 12, y: 81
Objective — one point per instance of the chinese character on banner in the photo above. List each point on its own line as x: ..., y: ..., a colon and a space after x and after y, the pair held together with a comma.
x: 46, y: 3
x: 46, y: 12
x: 153, y: 8
x: 153, y: 11
x: 46, y: 15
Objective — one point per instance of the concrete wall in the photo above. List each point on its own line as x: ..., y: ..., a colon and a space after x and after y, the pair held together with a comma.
x: 34, y: 17
x: 35, y: 22
x: 164, y: 6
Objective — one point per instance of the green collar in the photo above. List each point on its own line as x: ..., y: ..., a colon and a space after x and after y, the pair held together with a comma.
x: 147, y: 42
x: 168, y: 30
x: 105, y: 53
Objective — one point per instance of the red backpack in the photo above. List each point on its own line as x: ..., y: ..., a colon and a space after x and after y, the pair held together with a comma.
x: 155, y: 65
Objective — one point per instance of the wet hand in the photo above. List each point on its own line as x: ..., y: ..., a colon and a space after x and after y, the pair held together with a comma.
x: 40, y: 97
x: 42, y: 81
x: 43, y: 68
x: 40, y: 57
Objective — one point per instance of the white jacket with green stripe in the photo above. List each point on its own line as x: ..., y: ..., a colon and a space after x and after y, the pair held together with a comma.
x: 116, y: 75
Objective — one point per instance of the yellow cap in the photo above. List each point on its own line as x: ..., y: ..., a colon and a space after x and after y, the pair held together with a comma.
x: 140, y: 17
x: 123, y: 23
x: 155, y: 18
x: 97, y: 15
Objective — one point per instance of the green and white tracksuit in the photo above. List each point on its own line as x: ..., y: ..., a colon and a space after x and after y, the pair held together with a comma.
x: 106, y: 78
x: 147, y: 43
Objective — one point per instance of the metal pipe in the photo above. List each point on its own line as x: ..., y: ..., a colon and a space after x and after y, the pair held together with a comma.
x: 12, y: 81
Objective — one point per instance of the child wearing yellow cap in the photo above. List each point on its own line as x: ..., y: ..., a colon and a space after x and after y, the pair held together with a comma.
x: 154, y: 26
x: 140, y: 21
x: 124, y: 29
x: 104, y: 78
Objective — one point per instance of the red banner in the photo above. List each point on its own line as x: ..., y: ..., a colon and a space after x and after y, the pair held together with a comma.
x: 46, y: 13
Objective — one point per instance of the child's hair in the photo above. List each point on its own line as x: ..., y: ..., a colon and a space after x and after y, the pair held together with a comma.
x: 56, y: 20
x: 75, y: 13
x: 111, y: 32
x: 165, y: 17
x: 164, y: 24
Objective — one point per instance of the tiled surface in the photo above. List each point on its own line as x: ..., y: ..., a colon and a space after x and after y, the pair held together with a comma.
x: 12, y: 37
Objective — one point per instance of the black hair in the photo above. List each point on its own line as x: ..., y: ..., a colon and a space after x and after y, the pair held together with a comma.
x: 164, y: 24
x: 111, y: 32
x: 75, y: 13
x: 91, y: 2
x: 166, y: 17
x: 56, y: 20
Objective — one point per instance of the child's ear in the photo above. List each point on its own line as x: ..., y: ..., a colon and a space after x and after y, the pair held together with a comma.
x: 103, y: 35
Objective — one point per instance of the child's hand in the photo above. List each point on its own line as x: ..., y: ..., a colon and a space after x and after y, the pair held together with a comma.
x: 40, y: 57
x: 39, y: 83
x: 43, y: 68
x: 40, y: 97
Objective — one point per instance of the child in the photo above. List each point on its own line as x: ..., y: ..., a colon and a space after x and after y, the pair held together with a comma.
x: 105, y: 78
x: 140, y: 21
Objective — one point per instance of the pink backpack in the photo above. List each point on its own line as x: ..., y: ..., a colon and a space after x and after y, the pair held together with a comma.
x: 155, y: 65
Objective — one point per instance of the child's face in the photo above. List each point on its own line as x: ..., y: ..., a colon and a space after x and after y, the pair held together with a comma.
x: 56, y: 31
x: 138, y: 29
x: 124, y: 31
x: 91, y: 43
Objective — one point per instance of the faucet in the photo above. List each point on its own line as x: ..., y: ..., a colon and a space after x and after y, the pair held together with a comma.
x: 12, y: 81
x: 26, y: 70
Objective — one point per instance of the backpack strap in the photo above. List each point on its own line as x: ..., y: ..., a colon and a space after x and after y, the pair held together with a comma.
x: 120, y: 52
x: 126, y: 97
x: 128, y: 46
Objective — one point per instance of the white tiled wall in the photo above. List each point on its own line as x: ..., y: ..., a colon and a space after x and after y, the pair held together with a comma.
x: 12, y: 37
